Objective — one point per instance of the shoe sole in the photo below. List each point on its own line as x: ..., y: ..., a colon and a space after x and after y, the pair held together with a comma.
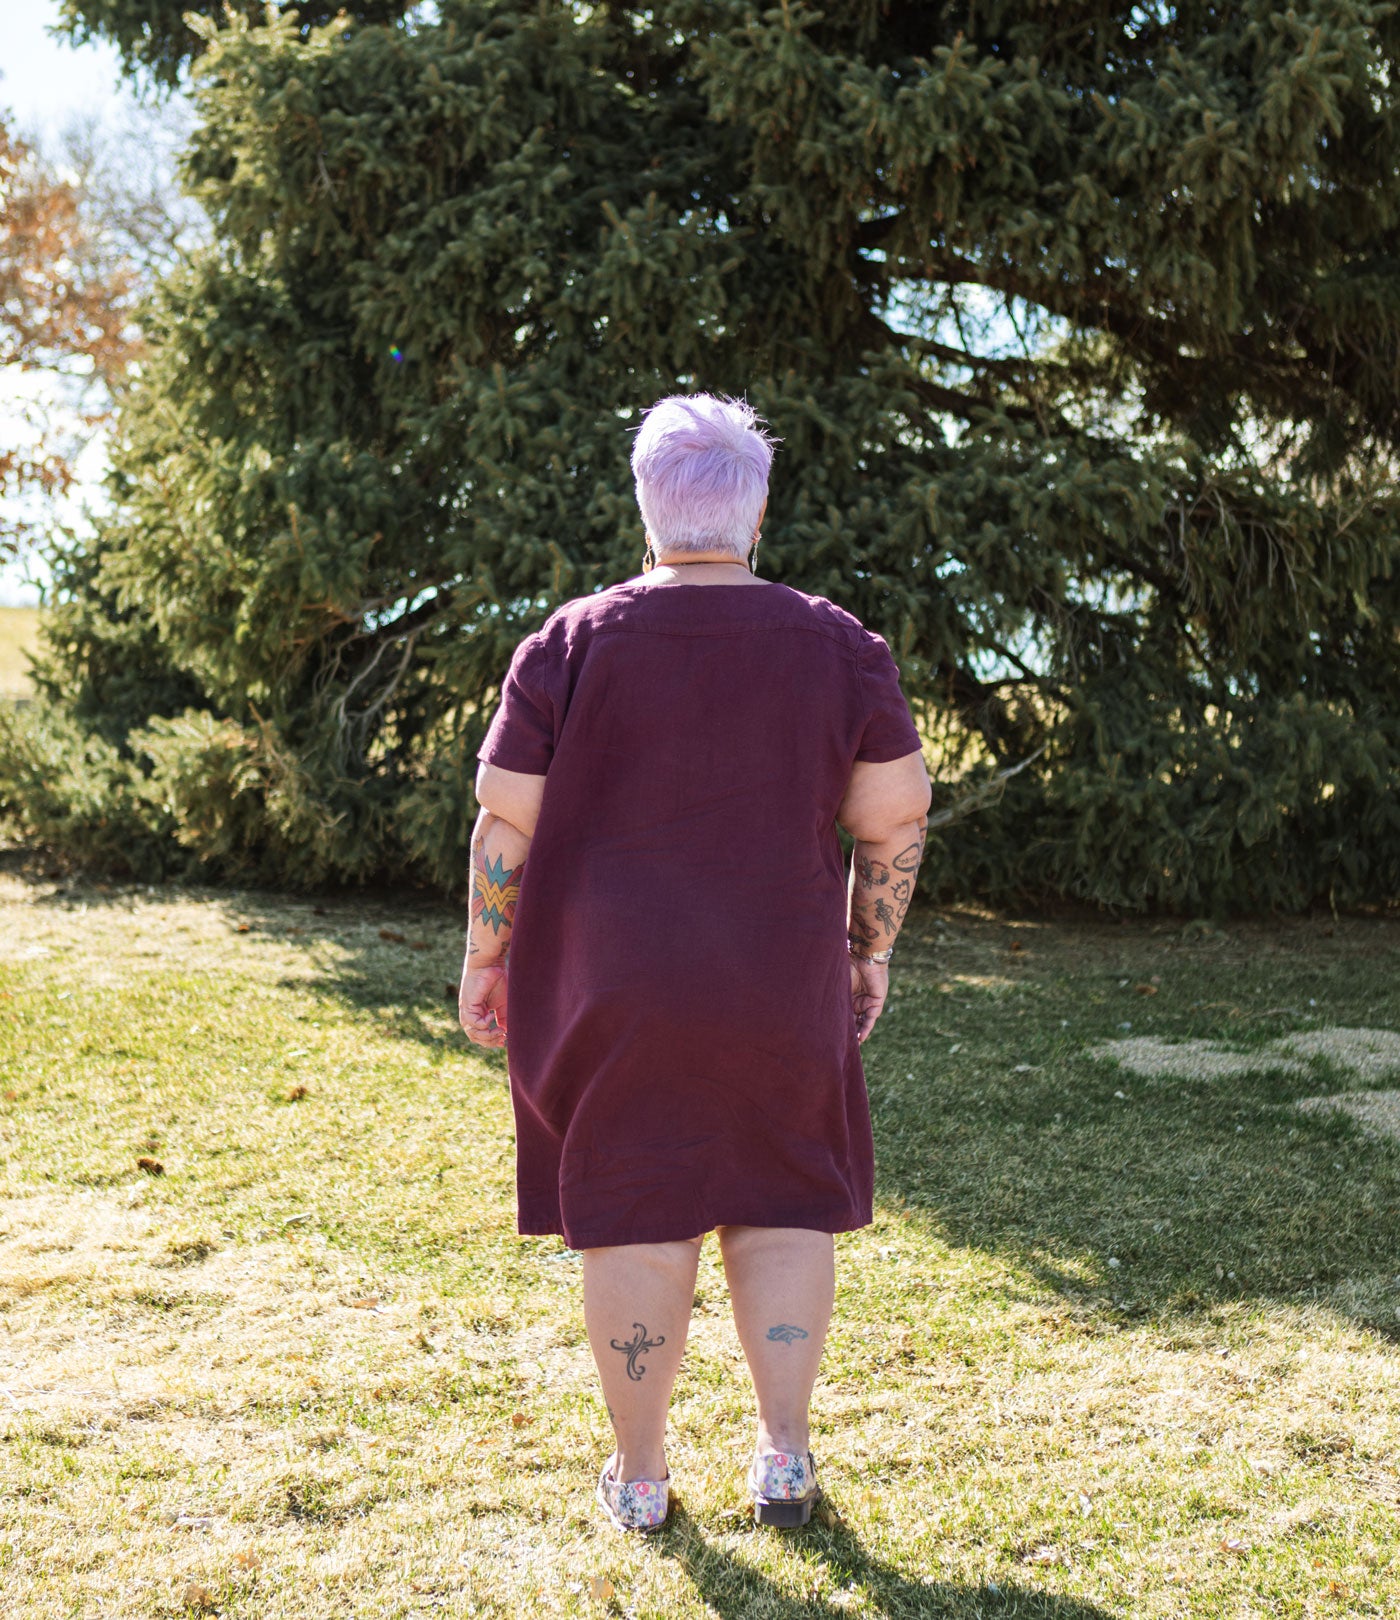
x: 783, y: 1515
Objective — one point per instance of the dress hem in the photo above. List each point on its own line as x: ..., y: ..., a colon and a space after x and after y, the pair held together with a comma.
x: 680, y: 1231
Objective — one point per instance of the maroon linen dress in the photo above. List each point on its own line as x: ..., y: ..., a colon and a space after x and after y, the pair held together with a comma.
x: 681, y: 1046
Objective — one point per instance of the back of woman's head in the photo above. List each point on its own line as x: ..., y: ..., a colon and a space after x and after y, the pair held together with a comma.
x: 701, y: 467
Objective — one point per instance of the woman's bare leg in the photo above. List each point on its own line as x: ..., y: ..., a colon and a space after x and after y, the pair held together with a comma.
x: 637, y: 1299
x: 782, y: 1284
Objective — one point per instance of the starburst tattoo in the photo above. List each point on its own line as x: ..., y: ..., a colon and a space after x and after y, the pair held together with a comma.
x: 495, y: 890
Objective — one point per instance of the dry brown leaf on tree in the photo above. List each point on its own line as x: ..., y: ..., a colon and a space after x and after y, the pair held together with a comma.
x: 66, y: 311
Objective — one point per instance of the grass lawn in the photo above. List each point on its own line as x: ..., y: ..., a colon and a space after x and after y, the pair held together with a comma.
x: 19, y: 634
x: 1124, y: 1339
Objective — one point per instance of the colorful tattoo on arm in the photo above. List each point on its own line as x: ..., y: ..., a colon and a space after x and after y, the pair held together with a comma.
x: 495, y: 890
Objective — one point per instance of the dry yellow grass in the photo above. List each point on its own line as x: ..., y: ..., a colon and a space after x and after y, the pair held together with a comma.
x: 19, y: 634
x: 1117, y: 1345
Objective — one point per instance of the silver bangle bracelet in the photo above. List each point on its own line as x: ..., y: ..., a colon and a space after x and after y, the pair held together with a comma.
x: 880, y: 957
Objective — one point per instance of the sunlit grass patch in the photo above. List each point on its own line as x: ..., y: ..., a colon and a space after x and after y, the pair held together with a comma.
x: 19, y: 635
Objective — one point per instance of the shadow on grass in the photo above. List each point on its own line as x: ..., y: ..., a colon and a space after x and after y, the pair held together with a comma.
x: 734, y: 1589
x: 1144, y: 1197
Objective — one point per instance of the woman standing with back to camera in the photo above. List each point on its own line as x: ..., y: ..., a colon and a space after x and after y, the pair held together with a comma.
x: 690, y: 977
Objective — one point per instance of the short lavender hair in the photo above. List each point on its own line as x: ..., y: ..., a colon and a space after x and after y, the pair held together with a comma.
x: 701, y: 464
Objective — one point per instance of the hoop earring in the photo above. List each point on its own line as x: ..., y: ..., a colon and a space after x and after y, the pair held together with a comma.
x: 648, y: 559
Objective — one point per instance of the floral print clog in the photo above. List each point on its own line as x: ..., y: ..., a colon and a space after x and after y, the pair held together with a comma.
x: 634, y: 1504
x: 783, y: 1485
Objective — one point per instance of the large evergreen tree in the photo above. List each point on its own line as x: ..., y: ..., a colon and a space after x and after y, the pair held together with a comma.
x: 1080, y: 325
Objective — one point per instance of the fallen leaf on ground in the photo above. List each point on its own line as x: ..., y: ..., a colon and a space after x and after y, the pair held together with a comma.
x: 196, y: 1596
x: 369, y: 1303
x: 600, y: 1588
x: 393, y: 936
x: 1233, y: 1544
x: 1146, y: 989
x: 152, y: 1167
x: 247, y: 1559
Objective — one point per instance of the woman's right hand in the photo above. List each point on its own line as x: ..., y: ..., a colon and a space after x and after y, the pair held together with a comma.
x: 481, y: 1004
x: 870, y: 984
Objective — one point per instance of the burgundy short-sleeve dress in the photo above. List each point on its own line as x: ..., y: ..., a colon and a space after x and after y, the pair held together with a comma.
x: 681, y: 1046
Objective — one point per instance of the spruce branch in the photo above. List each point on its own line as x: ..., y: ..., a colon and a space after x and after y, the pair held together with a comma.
x: 987, y: 793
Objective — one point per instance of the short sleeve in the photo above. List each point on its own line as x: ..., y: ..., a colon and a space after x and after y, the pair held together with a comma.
x: 889, y: 727
x: 522, y: 731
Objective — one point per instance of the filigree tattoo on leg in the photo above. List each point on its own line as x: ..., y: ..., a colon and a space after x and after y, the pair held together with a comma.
x: 636, y: 1347
x: 785, y: 1333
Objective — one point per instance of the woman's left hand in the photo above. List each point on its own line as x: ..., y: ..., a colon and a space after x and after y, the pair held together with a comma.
x: 870, y: 985
x: 481, y: 1004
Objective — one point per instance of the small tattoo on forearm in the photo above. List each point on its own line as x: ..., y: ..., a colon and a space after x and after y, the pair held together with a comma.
x: 886, y: 916
x: 612, y: 1416
x: 872, y: 872
x: 636, y: 1347
x: 785, y: 1332
x: 908, y: 859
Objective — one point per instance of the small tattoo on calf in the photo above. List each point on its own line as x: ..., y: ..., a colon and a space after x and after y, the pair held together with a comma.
x: 785, y: 1332
x: 636, y: 1347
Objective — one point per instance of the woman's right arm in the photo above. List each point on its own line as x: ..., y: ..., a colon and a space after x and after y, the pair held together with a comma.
x: 885, y: 810
x: 510, y: 806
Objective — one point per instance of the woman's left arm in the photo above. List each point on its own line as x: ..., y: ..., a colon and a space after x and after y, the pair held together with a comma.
x: 510, y: 805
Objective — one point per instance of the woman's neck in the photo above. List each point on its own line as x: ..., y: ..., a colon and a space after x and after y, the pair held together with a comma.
x: 715, y: 560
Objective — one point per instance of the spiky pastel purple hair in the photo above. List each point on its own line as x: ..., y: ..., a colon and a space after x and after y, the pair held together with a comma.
x: 701, y: 463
